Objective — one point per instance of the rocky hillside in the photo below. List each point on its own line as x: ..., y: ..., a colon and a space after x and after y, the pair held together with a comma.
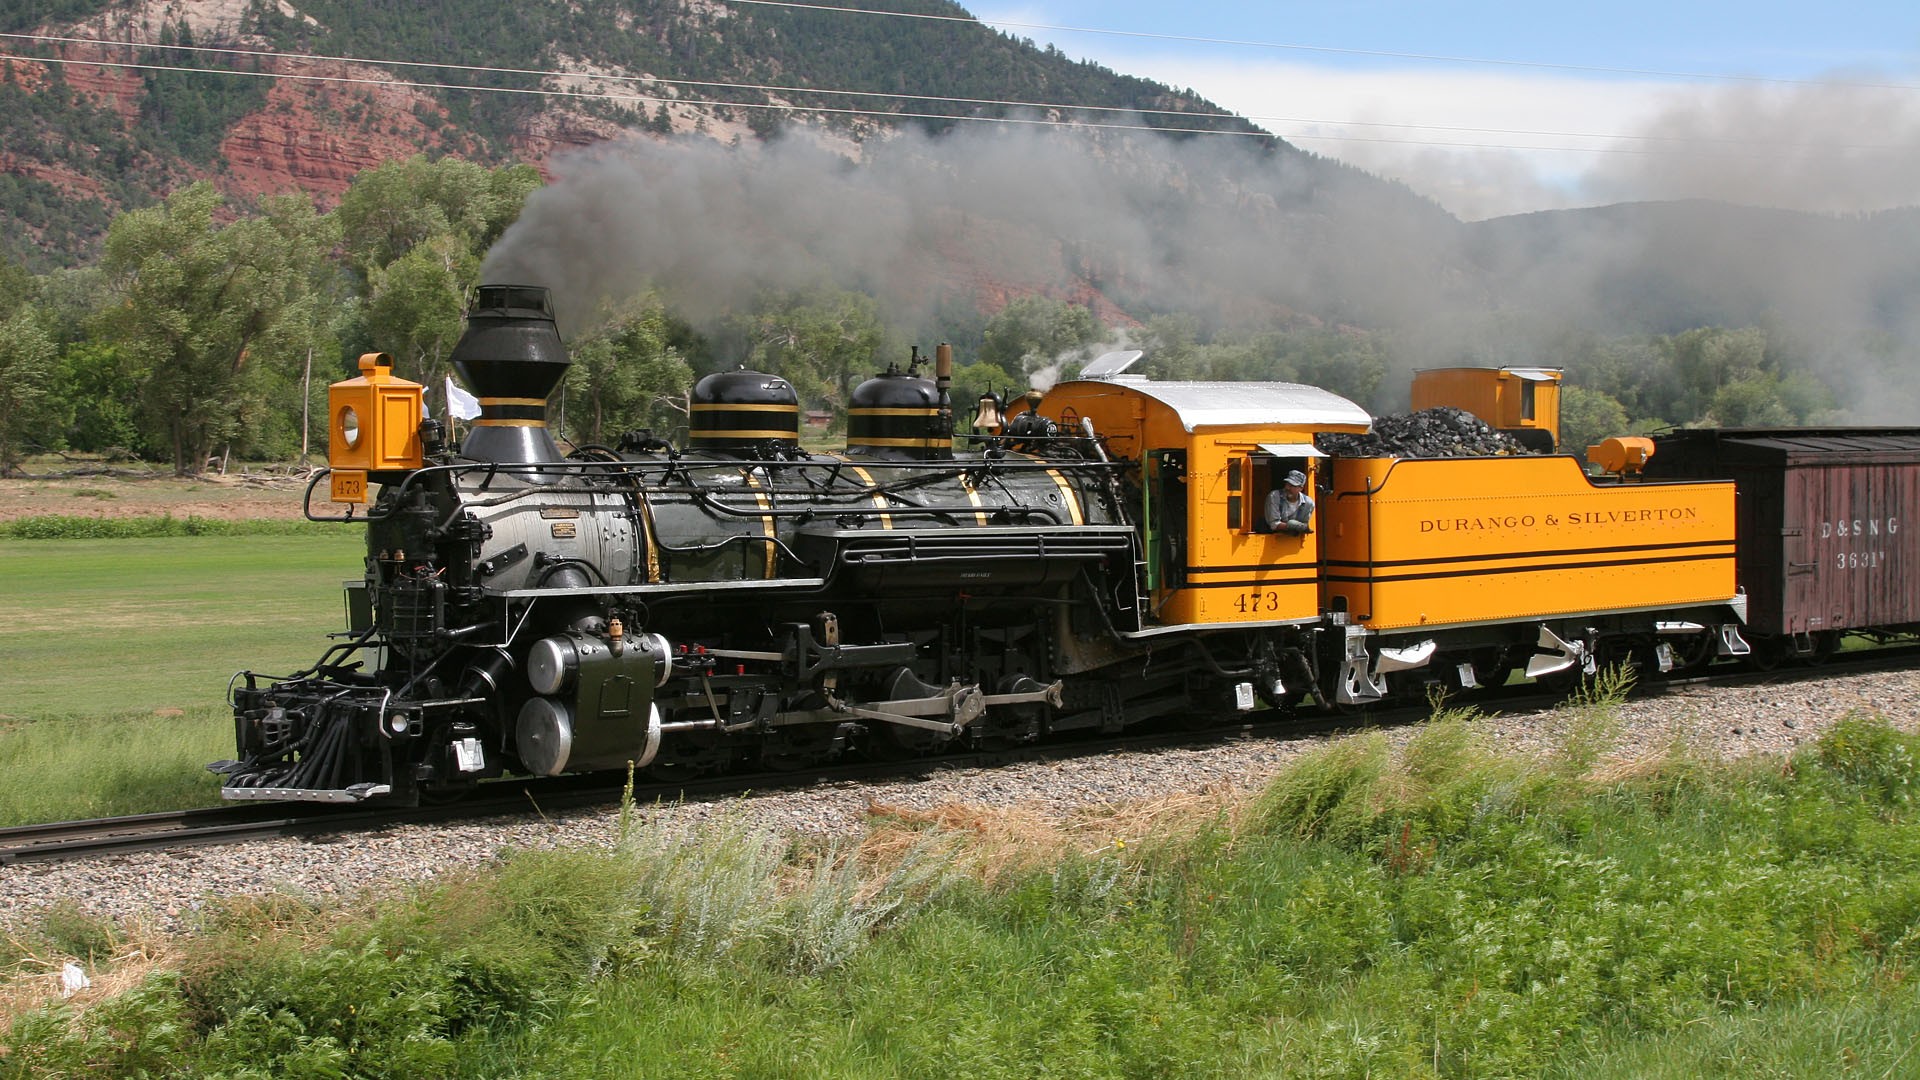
x: 187, y: 90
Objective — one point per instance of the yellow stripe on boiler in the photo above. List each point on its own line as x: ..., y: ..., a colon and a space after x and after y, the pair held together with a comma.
x: 765, y: 502
x: 973, y: 497
x: 721, y: 433
x: 879, y: 500
x: 710, y: 407
x: 1067, y: 493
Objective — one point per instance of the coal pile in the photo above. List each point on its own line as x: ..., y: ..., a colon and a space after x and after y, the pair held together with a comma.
x: 1429, y: 433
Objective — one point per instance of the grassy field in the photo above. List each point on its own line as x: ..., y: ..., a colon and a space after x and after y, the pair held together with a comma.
x: 115, y: 656
x: 1450, y: 912
x: 93, y: 627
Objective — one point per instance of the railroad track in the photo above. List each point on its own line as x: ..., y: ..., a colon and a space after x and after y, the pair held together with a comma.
x: 256, y: 821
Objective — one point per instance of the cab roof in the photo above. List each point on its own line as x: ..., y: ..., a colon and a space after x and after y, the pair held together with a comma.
x: 1239, y: 404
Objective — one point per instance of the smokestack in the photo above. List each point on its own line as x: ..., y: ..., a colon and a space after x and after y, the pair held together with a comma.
x: 512, y: 358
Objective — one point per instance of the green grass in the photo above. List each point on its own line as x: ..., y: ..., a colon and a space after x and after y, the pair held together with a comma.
x: 1443, y: 913
x: 115, y: 657
x: 100, y: 627
x: 86, y: 767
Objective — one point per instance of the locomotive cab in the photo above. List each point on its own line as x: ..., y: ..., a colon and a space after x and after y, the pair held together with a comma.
x: 1210, y: 453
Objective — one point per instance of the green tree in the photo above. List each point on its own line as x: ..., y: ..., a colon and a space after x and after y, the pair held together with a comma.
x: 627, y: 375
x: 824, y: 343
x: 1172, y: 347
x: 1635, y: 371
x: 1588, y: 416
x: 972, y: 380
x: 1758, y: 399
x: 29, y: 409
x: 416, y: 306
x: 1034, y: 331
x: 195, y: 300
x: 104, y: 392
x: 1709, y: 358
x: 393, y: 208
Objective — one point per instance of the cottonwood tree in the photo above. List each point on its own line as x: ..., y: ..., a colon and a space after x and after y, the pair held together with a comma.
x: 416, y: 232
x: 626, y: 375
x: 29, y: 408
x: 1587, y: 416
x: 823, y: 343
x: 195, y: 299
x: 416, y: 306
x: 1034, y: 331
x: 393, y: 208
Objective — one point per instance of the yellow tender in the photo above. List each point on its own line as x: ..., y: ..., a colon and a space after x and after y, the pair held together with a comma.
x: 1450, y: 541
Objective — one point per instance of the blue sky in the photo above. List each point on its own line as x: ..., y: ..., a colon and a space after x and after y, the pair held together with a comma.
x: 1494, y: 108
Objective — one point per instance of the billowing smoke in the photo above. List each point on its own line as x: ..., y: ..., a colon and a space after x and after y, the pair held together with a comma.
x: 1136, y: 223
x: 1842, y: 146
x: 1249, y: 234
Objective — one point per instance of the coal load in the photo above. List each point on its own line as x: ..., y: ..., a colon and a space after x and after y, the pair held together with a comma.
x: 1429, y: 433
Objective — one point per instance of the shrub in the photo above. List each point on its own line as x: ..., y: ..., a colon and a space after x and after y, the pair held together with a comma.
x: 77, y: 527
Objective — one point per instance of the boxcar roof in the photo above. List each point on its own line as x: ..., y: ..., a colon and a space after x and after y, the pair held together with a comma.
x: 1831, y: 445
x: 1235, y: 404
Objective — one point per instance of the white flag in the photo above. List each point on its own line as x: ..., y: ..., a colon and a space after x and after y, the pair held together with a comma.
x: 460, y: 404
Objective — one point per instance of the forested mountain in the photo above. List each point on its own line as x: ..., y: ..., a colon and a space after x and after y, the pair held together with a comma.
x: 80, y: 141
x: 710, y: 182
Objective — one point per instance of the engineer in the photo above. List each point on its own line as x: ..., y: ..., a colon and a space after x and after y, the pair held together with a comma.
x: 1289, y: 508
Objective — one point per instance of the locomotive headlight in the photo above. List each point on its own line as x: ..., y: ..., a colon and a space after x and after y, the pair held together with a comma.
x: 397, y: 723
x: 350, y: 427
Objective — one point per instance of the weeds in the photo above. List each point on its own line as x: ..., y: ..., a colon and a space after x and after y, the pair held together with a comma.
x: 1588, y: 725
x: 728, y: 890
x: 1444, y: 912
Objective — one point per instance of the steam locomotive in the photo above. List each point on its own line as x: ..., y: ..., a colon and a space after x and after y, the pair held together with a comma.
x: 1095, y: 564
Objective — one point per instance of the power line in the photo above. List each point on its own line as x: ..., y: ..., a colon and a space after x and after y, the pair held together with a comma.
x: 854, y: 112
x: 661, y: 99
x: 604, y: 77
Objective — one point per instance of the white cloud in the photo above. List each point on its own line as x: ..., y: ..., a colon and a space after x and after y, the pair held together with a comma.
x: 1481, y: 144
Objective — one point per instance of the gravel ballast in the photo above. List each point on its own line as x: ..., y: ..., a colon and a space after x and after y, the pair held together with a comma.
x: 163, y: 890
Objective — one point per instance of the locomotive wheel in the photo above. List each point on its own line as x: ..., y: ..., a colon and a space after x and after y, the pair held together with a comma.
x: 893, y: 742
x: 689, y: 756
x: 790, y: 748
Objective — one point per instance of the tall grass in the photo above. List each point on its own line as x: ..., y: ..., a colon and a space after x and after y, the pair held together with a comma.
x: 64, y: 770
x: 1446, y: 911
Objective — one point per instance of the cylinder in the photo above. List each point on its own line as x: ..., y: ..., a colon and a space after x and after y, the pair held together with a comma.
x: 1627, y: 454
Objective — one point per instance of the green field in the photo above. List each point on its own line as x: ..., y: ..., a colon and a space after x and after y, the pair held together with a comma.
x: 97, y: 627
x: 115, y: 657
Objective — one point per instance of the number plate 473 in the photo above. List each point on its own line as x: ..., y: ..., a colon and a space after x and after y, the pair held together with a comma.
x: 350, y: 487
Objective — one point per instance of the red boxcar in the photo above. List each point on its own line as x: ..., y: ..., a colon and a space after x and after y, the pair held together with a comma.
x: 1828, y: 533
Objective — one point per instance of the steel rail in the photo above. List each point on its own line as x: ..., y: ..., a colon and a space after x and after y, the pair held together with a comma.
x: 521, y: 797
